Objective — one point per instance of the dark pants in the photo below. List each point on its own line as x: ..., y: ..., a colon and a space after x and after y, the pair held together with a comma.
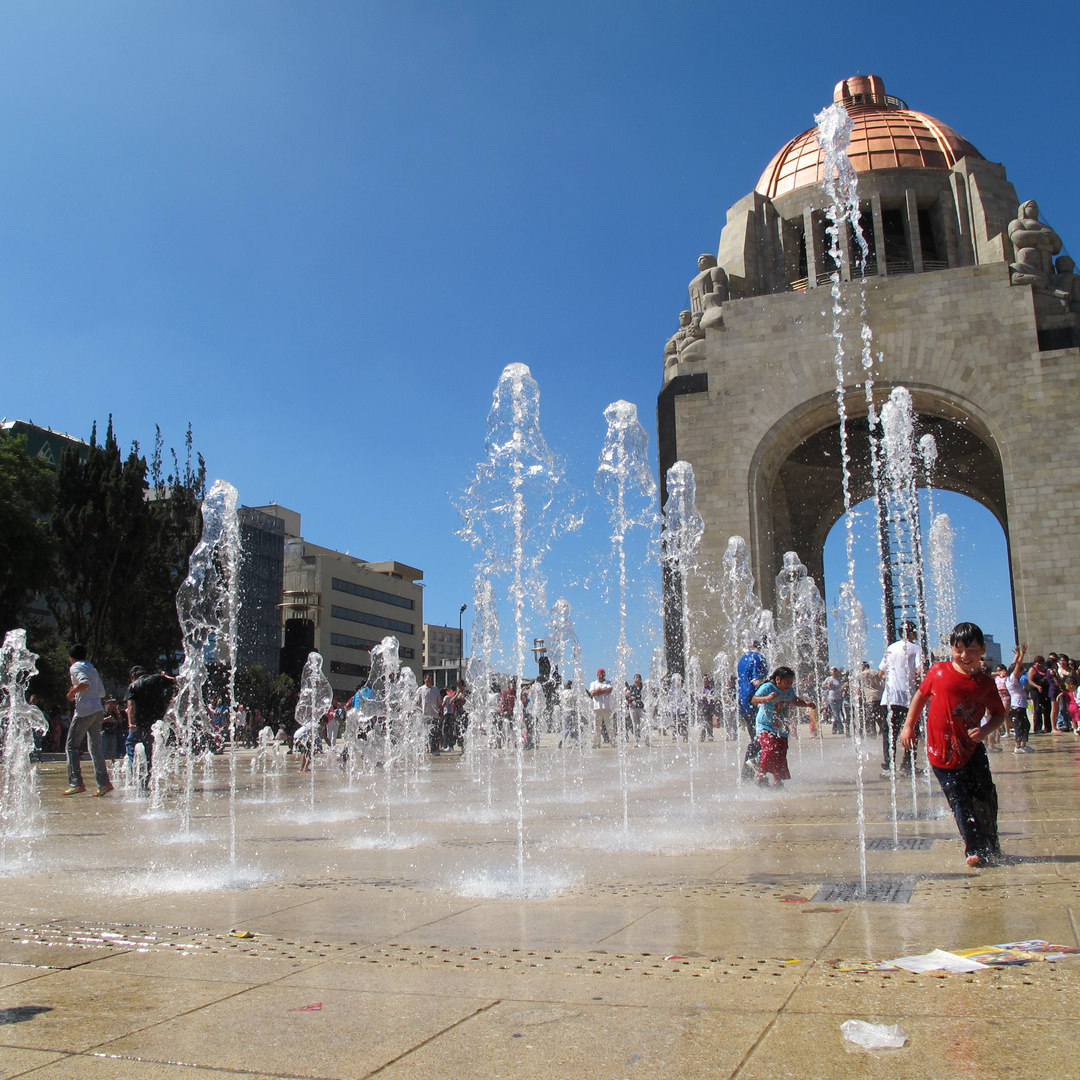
x: 143, y: 736
x: 753, y: 748
x: 896, y: 721
x: 86, y: 730
x: 974, y: 802
x: 1021, y: 725
x: 1042, y: 712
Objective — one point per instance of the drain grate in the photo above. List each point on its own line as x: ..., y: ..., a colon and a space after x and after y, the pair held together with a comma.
x: 907, y: 843
x: 877, y: 892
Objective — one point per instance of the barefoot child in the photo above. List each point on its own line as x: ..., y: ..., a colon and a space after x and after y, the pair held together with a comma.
x: 959, y: 693
x: 776, y: 701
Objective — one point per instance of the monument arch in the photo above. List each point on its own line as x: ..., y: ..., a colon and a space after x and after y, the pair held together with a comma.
x: 972, y: 309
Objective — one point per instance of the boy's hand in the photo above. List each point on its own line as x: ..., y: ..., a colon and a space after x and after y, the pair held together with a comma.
x: 907, y: 737
x: 977, y: 734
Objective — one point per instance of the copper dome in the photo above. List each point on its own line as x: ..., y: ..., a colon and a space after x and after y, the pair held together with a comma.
x: 886, y: 135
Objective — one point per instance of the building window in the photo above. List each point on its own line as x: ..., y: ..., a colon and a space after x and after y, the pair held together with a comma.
x: 372, y: 594
x: 347, y: 642
x: 357, y: 671
x: 370, y: 620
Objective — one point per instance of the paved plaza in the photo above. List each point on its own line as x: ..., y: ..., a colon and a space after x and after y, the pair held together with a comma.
x: 699, y: 939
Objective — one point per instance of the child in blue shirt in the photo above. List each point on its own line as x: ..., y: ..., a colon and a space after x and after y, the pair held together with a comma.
x: 776, y: 702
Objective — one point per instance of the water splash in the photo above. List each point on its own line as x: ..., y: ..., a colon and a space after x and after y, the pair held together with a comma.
x: 208, y: 605
x: 943, y: 577
x: 683, y: 530
x: 20, y: 805
x: 515, y: 506
x: 313, y: 702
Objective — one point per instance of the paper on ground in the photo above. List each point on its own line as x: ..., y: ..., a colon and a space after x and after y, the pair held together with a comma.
x: 937, y: 960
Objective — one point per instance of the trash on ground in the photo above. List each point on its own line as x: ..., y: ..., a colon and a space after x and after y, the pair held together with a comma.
x: 863, y: 969
x: 790, y: 899
x: 874, y: 1036
x: 241, y: 934
x: 317, y: 1007
x: 1043, y: 949
x: 999, y: 955
x: 937, y: 960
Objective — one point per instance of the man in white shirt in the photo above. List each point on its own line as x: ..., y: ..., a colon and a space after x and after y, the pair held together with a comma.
x: 88, y: 694
x: 833, y: 687
x: 429, y: 701
x: 600, y: 692
x: 902, y: 671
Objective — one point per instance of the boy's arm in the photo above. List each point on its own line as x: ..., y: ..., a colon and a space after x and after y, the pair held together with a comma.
x: 907, y: 733
x: 997, y: 717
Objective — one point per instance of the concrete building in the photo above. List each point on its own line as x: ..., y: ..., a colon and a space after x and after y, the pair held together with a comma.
x: 343, y: 606
x: 970, y: 312
x: 262, y: 569
x: 442, y: 653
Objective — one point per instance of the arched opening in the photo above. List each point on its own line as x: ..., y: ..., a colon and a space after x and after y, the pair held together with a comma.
x: 981, y: 578
x: 796, y: 481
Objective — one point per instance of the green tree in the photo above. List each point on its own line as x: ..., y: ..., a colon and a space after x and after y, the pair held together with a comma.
x: 27, y: 494
x: 122, y: 549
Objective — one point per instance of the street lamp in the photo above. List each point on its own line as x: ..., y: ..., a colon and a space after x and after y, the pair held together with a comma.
x: 460, y: 642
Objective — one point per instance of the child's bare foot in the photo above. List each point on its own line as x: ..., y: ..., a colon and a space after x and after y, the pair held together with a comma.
x: 976, y: 860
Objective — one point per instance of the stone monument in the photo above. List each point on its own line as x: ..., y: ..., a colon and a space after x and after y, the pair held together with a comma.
x: 969, y: 311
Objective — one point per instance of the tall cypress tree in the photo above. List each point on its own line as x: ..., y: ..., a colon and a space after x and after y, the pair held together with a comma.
x: 101, y: 527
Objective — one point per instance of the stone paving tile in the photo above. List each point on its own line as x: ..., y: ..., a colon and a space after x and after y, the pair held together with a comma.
x: 616, y: 979
x: 87, y: 1067
x: 15, y: 1061
x: 803, y: 1047
x: 278, y: 1029
x: 513, y: 1040
x: 79, y: 1009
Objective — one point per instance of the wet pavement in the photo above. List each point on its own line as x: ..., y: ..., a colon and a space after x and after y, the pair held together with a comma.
x: 397, y: 931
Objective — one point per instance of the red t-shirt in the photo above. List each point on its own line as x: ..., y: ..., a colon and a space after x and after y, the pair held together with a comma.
x: 957, y: 703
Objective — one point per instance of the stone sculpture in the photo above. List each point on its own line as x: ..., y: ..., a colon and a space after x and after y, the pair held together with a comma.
x: 688, y: 342
x: 1066, y: 284
x: 708, y: 291
x: 1035, y: 244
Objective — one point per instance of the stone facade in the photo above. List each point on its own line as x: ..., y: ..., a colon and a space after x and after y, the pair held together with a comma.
x: 992, y: 372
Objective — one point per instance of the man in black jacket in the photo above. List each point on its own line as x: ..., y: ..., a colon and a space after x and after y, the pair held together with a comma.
x: 148, y: 697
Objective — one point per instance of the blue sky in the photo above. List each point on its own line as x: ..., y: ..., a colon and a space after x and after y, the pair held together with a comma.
x: 319, y: 230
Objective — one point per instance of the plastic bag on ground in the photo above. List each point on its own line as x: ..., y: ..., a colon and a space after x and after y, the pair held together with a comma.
x: 873, y: 1036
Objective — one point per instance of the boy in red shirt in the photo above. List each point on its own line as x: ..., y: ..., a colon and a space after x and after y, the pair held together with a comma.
x: 960, y: 693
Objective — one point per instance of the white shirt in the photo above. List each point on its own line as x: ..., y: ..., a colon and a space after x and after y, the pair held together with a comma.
x: 901, y: 666
x: 92, y: 699
x: 429, y: 698
x: 601, y: 702
x: 1017, y: 694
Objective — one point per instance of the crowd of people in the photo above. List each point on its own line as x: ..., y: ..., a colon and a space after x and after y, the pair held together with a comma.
x: 960, y: 708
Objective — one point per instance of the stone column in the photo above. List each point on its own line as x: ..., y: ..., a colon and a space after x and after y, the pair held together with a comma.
x: 911, y: 227
x: 813, y: 253
x: 879, y: 234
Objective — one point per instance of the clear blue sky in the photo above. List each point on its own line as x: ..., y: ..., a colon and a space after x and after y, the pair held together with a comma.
x: 319, y: 230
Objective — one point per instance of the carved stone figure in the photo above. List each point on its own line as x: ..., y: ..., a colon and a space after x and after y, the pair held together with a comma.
x: 1066, y: 284
x: 710, y: 284
x: 1029, y: 234
x: 688, y: 342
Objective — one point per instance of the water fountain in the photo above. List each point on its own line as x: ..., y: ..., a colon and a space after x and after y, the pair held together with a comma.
x: 312, y: 704
x: 208, y: 606
x: 514, y: 507
x: 20, y: 806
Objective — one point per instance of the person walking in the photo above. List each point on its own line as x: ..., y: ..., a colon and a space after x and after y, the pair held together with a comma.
x: 148, y: 697
x: 88, y: 694
x: 429, y: 701
x: 900, y: 669
x: 1039, y: 690
x: 600, y: 692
